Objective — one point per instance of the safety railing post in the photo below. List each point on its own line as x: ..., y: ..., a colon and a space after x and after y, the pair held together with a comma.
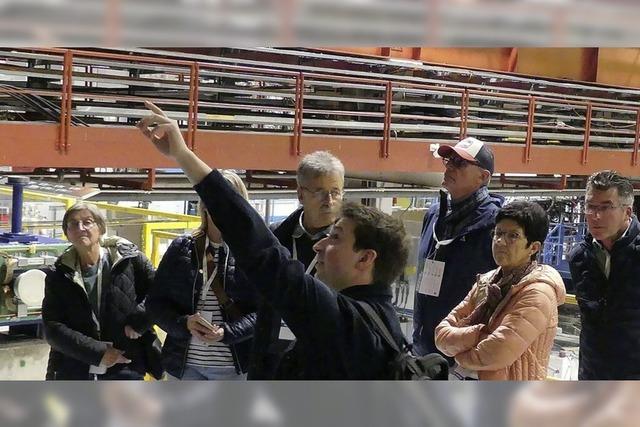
x: 192, y: 120
x: 386, y: 129
x: 530, y: 125
x: 587, y: 133
x: 62, y: 144
x: 636, y: 141
x: 296, y: 148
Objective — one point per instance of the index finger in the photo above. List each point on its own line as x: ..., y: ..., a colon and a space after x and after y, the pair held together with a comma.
x: 153, y: 107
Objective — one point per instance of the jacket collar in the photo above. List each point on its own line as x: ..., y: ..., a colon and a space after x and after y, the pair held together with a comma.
x: 372, y: 290
x: 627, y: 238
x: 117, y: 248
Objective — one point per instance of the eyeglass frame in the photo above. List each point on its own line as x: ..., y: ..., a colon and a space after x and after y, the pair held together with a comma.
x: 458, y: 162
x: 322, y: 194
x: 87, y: 224
x: 506, y: 236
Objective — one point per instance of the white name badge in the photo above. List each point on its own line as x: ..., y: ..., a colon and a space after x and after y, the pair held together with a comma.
x: 431, y: 277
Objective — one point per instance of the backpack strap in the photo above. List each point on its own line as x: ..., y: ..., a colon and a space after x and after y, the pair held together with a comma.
x: 380, y: 326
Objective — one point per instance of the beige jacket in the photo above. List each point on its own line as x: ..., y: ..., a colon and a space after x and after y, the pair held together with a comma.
x: 517, y: 341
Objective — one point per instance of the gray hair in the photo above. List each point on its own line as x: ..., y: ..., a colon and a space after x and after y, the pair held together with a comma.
x: 604, y: 180
x: 83, y: 206
x: 316, y: 164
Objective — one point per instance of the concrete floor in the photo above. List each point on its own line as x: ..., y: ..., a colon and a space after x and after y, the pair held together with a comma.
x: 23, y: 358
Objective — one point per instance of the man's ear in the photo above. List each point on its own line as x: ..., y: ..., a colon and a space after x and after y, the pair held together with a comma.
x: 299, y: 191
x: 367, y: 258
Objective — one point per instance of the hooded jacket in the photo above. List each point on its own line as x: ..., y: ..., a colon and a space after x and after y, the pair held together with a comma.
x: 467, y: 256
x: 517, y: 340
x: 76, y: 340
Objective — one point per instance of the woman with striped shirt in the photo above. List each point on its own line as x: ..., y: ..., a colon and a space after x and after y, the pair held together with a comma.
x: 205, y: 304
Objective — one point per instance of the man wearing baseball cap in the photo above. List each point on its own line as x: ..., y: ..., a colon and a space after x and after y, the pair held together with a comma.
x: 455, y: 244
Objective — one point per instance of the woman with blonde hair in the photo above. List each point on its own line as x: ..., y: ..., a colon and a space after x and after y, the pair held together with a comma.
x: 205, y: 304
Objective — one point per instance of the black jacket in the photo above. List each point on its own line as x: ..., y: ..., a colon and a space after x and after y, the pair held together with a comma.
x: 334, y: 338
x: 609, y: 309
x: 68, y: 321
x: 173, y: 297
x: 268, y: 349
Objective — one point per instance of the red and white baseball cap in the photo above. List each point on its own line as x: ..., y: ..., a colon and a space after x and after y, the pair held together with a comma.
x: 472, y: 150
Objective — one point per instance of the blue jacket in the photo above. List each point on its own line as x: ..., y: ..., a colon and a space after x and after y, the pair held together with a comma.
x: 609, y: 309
x: 466, y: 257
x: 334, y: 338
x: 173, y: 297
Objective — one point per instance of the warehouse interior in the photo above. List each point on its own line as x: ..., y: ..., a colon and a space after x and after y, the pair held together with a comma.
x: 552, y: 116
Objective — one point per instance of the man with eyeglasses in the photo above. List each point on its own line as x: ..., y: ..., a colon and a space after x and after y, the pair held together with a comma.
x: 605, y: 269
x: 455, y: 245
x: 320, y: 182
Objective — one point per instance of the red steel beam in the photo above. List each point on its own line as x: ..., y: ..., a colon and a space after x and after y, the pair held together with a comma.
x: 31, y: 145
x: 513, y: 60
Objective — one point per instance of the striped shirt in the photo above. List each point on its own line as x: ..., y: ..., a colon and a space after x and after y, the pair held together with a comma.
x: 215, y: 354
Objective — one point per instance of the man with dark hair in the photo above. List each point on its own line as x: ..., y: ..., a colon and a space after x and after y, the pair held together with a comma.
x: 320, y: 181
x: 605, y: 268
x: 455, y: 245
x: 335, y: 338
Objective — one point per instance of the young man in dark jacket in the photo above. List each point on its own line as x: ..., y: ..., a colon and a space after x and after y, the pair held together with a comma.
x: 364, y: 253
x: 605, y: 268
x: 456, y: 238
x: 93, y: 311
x: 320, y: 179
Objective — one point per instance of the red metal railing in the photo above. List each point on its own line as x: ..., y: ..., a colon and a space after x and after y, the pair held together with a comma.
x: 469, y: 100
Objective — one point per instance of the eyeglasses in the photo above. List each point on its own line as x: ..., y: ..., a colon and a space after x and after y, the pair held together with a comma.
x: 86, y: 223
x: 323, y: 194
x: 508, y: 236
x: 590, y: 209
x: 457, y: 162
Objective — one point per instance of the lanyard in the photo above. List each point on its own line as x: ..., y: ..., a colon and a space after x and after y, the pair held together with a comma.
x: 206, y: 280
x: 439, y: 243
x: 294, y: 255
x: 98, y: 287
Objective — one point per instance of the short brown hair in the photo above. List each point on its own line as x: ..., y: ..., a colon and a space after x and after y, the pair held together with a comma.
x: 83, y: 206
x: 384, y: 234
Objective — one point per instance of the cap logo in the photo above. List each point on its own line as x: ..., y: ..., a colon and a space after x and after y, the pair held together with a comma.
x: 470, y: 145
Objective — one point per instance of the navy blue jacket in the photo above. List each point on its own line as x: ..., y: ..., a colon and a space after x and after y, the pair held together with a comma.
x: 609, y: 309
x: 334, y: 338
x: 466, y: 257
x: 173, y: 297
x: 268, y: 349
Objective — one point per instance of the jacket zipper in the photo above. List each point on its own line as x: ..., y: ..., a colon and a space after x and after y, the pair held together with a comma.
x: 236, y: 361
